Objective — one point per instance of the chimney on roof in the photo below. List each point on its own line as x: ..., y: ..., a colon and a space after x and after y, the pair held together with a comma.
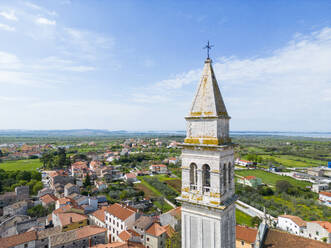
x: 70, y: 219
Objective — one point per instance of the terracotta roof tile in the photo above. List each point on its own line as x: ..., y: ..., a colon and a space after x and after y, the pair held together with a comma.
x: 156, y: 230
x: 124, y: 235
x: 119, y: 211
x: 326, y: 193
x: 100, y: 214
x: 246, y: 234
x: 48, y: 198
x: 18, y: 239
x: 278, y: 239
x: 67, y: 218
x: 111, y: 245
x: 170, y: 231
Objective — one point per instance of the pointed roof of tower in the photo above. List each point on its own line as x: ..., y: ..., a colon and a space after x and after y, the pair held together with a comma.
x: 208, y: 100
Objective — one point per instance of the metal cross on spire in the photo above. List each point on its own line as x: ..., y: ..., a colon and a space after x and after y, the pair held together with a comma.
x: 208, y: 47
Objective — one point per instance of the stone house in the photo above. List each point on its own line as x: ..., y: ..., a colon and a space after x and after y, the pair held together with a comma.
x: 18, y: 208
x: 48, y: 199
x: 319, y: 230
x: 70, y: 188
x: 171, y: 218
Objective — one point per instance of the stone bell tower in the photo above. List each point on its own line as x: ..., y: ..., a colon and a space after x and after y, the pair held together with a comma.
x: 207, y: 197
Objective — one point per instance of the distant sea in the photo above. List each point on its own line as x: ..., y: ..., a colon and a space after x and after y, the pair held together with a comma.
x: 299, y: 134
x: 124, y: 133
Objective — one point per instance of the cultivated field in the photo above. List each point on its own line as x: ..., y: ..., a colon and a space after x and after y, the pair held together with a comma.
x: 271, y: 178
x: 27, y: 164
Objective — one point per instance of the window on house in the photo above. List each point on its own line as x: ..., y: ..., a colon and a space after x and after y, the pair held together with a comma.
x: 317, y: 233
x: 147, y: 239
x: 121, y: 226
x: 81, y: 222
x: 242, y: 243
x: 224, y: 176
x: 229, y: 173
x: 25, y: 245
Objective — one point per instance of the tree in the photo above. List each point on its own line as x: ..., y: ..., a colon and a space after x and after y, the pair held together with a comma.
x: 283, y: 186
x: 39, y: 211
x: 87, y: 181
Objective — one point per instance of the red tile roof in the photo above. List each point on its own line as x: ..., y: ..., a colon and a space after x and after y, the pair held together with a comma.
x: 278, y: 239
x: 100, y: 214
x: 326, y: 193
x: 18, y: 239
x: 48, y: 198
x: 159, y: 165
x: 67, y: 218
x: 246, y: 234
x: 120, y: 211
x: 130, y: 175
x: 124, y: 236
x: 156, y: 230
x: 250, y: 177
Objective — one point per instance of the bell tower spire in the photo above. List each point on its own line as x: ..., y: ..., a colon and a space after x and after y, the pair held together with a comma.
x: 207, y: 197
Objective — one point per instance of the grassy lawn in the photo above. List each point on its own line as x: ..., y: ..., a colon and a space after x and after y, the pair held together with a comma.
x: 242, y: 218
x: 27, y: 164
x: 165, y: 207
x: 271, y: 178
x: 149, y: 187
x: 294, y: 161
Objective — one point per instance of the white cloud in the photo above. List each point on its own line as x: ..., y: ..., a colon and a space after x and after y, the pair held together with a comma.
x: 275, y: 92
x: 6, y: 27
x: 9, y: 15
x: 45, y: 21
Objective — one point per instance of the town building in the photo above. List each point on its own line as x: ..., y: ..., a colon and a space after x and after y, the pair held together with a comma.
x: 319, y: 230
x: 243, y: 162
x: 118, y: 219
x: 159, y: 168
x: 245, y: 237
x: 156, y: 236
x: 130, y: 177
x: 317, y: 187
x: 70, y: 188
x: 325, y: 198
x: 251, y: 181
x: 291, y: 224
x: 208, y: 195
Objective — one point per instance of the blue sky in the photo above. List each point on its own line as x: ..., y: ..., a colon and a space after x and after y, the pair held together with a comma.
x: 135, y: 65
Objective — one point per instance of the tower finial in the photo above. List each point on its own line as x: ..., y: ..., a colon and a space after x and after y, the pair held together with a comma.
x: 208, y: 47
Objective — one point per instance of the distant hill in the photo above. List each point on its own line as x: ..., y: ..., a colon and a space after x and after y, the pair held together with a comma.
x: 81, y: 133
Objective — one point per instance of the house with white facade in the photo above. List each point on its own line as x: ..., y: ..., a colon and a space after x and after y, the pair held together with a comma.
x: 292, y: 224
x: 119, y: 218
x: 242, y: 162
x: 325, y: 198
x: 159, y: 168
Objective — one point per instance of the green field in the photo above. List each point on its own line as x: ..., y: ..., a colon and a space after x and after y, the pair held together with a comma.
x: 294, y: 161
x: 27, y: 164
x: 271, y: 178
x: 242, y: 218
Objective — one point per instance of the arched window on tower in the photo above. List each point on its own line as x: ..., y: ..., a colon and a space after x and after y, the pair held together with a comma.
x: 224, y: 178
x: 206, y: 177
x: 193, y: 176
x: 229, y: 174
